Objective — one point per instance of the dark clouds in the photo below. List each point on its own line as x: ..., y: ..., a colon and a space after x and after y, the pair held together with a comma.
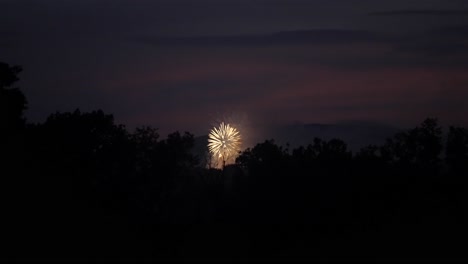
x: 311, y: 37
x: 439, y: 47
x: 179, y: 64
x: 425, y: 12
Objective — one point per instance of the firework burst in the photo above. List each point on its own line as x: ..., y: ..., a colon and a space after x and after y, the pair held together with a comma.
x: 224, y: 142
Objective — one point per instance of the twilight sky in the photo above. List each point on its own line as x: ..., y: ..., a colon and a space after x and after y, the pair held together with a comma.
x: 182, y: 64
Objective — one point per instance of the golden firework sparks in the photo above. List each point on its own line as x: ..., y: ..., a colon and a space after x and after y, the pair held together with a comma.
x: 224, y: 142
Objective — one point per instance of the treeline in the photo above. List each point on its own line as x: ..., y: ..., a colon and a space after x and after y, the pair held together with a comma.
x: 79, y: 186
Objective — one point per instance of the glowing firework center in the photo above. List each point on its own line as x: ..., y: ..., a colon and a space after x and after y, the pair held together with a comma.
x: 224, y: 144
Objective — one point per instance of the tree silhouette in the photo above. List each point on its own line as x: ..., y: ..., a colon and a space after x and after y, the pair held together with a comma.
x: 420, y: 146
x: 12, y: 100
x: 457, y: 150
x: 96, y: 190
x: 13, y: 171
x: 265, y: 154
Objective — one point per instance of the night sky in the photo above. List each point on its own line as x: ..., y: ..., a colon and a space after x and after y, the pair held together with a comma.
x: 180, y: 65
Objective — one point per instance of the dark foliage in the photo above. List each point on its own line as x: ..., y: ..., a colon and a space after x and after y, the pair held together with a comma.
x: 79, y: 186
x: 12, y: 101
